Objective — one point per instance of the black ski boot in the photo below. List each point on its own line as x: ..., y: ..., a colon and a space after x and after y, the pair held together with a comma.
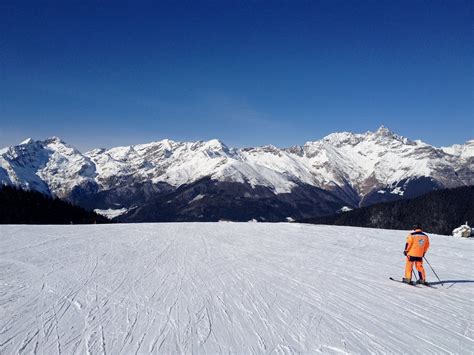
x: 407, y: 281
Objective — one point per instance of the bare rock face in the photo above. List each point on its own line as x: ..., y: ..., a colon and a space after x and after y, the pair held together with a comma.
x: 320, y: 177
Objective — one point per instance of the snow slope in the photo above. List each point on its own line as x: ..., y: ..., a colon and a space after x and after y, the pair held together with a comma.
x: 228, y: 287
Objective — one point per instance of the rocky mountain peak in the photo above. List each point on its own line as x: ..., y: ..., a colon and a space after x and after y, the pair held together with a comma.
x: 213, y: 146
x: 342, y: 138
x: 383, y: 131
x: 54, y: 140
x: 27, y: 141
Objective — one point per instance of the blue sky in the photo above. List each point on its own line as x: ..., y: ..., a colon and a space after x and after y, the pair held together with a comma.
x: 106, y: 73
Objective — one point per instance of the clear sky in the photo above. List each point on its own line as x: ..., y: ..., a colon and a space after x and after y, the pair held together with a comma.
x: 106, y: 73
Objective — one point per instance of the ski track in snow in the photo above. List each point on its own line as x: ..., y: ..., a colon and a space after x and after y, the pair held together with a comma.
x: 228, y: 287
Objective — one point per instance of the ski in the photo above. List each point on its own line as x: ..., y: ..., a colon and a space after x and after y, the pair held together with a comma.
x: 410, y: 284
x: 428, y: 285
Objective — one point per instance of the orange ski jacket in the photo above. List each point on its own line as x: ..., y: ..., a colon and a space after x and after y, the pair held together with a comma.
x: 417, y: 243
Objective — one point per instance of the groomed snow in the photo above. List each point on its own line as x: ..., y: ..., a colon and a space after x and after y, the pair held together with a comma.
x: 228, y: 287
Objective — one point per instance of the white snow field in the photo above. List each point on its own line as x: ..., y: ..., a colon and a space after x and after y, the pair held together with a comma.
x: 228, y: 288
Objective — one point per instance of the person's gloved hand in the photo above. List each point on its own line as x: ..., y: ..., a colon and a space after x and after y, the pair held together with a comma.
x: 405, y: 252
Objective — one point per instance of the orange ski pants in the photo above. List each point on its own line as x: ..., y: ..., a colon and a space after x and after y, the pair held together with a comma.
x: 419, y: 267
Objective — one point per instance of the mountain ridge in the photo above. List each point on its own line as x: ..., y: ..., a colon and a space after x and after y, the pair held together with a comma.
x: 354, y: 169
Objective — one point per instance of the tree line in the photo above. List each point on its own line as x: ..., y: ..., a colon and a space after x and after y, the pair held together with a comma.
x: 438, y: 212
x: 19, y: 206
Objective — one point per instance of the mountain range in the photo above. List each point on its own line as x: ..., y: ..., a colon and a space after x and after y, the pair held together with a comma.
x: 207, y: 181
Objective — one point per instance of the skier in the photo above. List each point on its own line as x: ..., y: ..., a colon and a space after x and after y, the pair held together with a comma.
x: 415, y: 249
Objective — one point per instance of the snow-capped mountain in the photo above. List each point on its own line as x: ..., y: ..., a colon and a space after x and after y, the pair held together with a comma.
x: 169, y: 180
x: 51, y: 166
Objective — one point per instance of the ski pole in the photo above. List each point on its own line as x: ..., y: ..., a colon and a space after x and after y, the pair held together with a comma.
x: 433, y: 271
x: 414, y: 274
